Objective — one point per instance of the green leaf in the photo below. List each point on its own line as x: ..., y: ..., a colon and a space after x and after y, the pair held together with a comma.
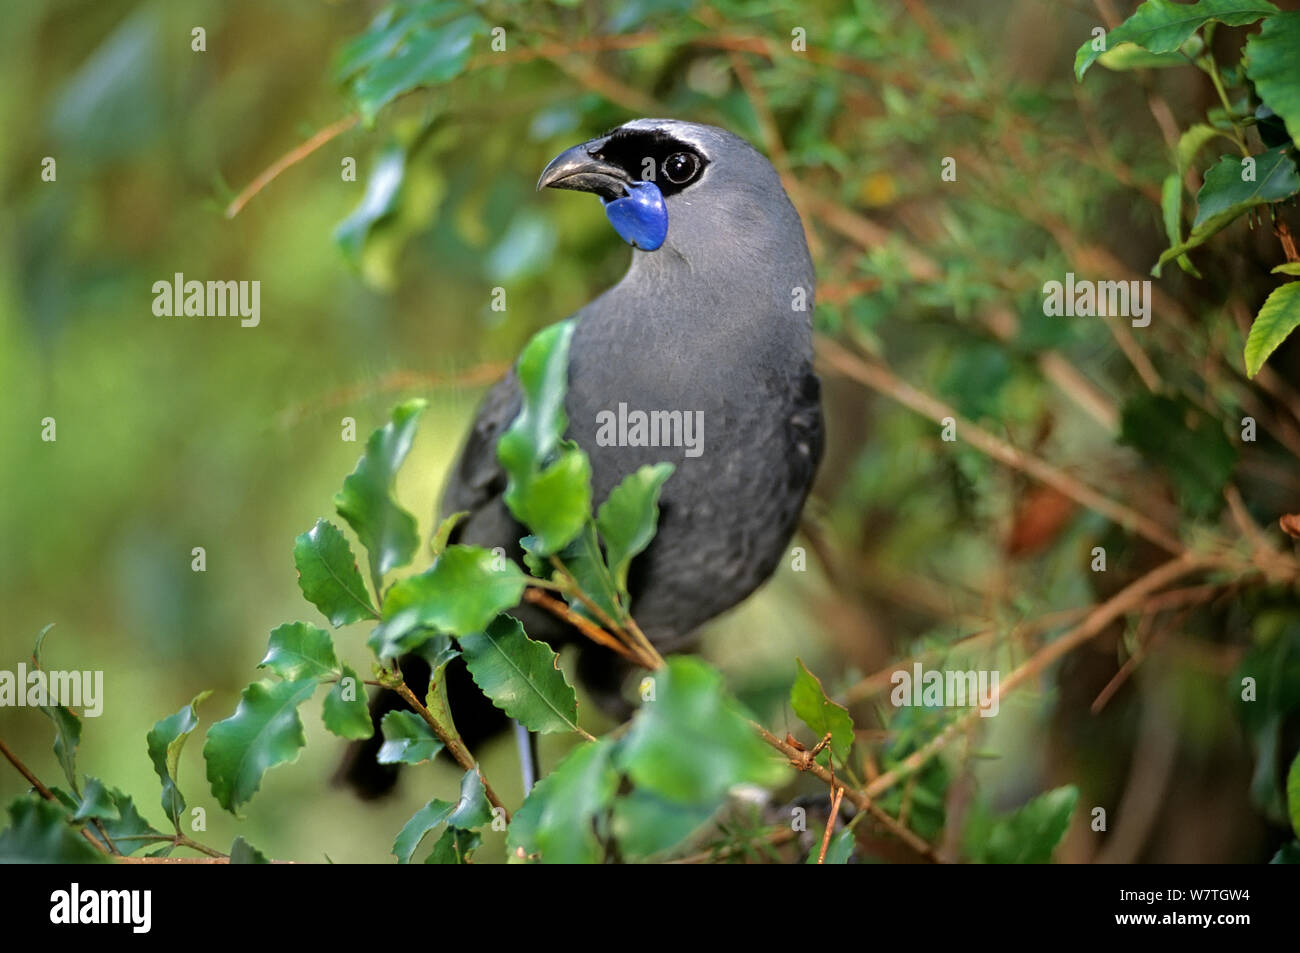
x: 470, y: 811
x: 346, y: 712
x: 328, y: 575
x: 67, y: 736
x: 810, y: 702
x: 438, y: 542
x: 40, y: 639
x: 1293, y: 795
x: 1186, y: 442
x: 264, y: 731
x: 646, y: 826
x: 554, y: 503
x: 838, y: 851
x: 39, y: 833
x: 95, y: 802
x: 628, y: 518
x: 427, y: 57
x: 462, y: 592
x: 1130, y: 56
x: 438, y: 652
x: 586, y: 563
x: 165, y: 741
x: 242, y: 852
x: 1277, y: 318
x: 520, y: 676
x: 1287, y: 854
x: 407, y: 739
x: 1288, y: 268
x: 1028, y: 835
x: 556, y: 823
x: 129, y: 831
x: 1271, y: 57
x: 1161, y: 26
x: 366, y: 501
x: 549, y: 480
x: 692, y: 744
x: 299, y: 650
x: 454, y: 847
x: 1225, y: 196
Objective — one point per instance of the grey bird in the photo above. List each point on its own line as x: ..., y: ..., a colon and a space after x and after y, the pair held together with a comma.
x: 714, y: 322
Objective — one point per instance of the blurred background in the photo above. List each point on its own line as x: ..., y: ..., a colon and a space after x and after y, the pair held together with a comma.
x: 175, y: 433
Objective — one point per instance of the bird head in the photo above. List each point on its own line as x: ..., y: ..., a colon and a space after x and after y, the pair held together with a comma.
x: 696, y: 190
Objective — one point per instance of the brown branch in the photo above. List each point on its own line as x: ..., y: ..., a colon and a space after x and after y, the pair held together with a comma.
x: 837, y: 795
x: 1103, y: 615
x: 43, y: 791
x: 879, y: 378
x: 453, y: 744
x: 580, y: 622
x: 290, y: 158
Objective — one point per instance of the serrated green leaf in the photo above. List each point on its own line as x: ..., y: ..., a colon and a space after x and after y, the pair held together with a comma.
x: 469, y: 811
x: 328, y: 575
x: 129, y: 831
x: 39, y: 833
x: 242, y: 852
x: 1225, y: 196
x: 1161, y: 26
x: 520, y: 676
x: 627, y: 520
x: 346, y: 712
x: 548, y: 485
x: 462, y: 592
x: 67, y: 736
x: 692, y: 744
x: 1271, y: 57
x: 556, y: 822
x: 455, y: 846
x: 810, y: 702
x: 298, y: 650
x: 95, y: 802
x: 586, y: 563
x: 1186, y: 442
x: 165, y: 741
x: 1028, y: 835
x: 407, y: 739
x: 366, y: 501
x: 1277, y: 318
x: 264, y: 731
x: 555, y: 502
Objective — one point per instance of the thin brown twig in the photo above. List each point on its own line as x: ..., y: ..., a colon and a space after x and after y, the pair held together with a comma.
x: 584, y: 625
x: 878, y: 377
x: 1103, y: 615
x: 290, y: 158
x: 837, y: 795
x: 453, y: 744
x: 42, y: 790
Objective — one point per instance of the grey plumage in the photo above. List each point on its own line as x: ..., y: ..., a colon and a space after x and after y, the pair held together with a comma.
x: 716, y: 320
x: 707, y: 322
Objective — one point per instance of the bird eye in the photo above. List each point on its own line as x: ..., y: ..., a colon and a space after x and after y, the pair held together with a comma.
x: 681, y: 167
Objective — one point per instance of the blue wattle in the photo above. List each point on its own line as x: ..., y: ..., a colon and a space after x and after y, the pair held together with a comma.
x: 640, y: 217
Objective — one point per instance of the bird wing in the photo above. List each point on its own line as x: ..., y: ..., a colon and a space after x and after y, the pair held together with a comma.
x: 477, y: 478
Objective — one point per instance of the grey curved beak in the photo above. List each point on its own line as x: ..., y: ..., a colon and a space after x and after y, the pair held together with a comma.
x: 580, y: 169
